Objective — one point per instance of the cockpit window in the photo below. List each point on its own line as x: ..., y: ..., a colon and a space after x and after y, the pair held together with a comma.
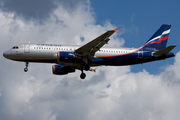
x: 15, y: 47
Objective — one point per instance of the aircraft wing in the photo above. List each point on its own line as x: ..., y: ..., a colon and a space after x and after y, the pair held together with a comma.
x: 92, y: 47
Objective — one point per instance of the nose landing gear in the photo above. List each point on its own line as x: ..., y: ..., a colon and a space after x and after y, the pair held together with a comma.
x: 26, y: 68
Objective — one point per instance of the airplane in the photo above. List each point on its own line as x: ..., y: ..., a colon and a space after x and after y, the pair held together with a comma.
x: 67, y: 59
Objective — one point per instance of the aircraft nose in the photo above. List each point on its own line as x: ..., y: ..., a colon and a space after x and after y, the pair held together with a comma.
x: 6, y: 54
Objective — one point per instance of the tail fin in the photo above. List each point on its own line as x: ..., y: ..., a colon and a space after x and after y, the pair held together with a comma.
x: 159, y: 39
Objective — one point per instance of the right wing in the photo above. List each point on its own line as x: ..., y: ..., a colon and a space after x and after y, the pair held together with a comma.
x: 88, y: 50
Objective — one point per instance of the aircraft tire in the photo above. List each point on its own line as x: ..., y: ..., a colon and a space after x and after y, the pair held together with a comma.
x: 83, y: 75
x: 25, y: 69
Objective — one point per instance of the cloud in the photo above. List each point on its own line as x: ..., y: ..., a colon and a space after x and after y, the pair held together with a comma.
x: 37, y: 10
x: 40, y: 95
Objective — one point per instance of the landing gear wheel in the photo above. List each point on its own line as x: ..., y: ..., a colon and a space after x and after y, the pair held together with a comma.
x: 86, y: 67
x: 83, y: 75
x: 25, y: 69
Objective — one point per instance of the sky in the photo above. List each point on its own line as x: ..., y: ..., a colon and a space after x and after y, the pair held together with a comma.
x: 148, y: 91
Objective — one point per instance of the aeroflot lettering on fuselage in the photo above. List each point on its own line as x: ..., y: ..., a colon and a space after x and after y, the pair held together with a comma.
x: 49, y: 45
x: 69, y: 58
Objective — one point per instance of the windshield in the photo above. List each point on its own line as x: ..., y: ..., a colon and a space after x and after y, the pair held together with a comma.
x: 15, y: 47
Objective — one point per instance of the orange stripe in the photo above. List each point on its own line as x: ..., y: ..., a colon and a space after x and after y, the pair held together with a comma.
x: 118, y: 55
x: 59, y: 56
x: 54, y: 68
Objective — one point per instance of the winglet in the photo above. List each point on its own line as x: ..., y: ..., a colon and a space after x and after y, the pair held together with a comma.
x: 116, y: 30
x: 95, y: 69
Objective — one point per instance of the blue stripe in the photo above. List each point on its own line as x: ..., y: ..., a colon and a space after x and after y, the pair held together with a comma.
x: 160, y: 31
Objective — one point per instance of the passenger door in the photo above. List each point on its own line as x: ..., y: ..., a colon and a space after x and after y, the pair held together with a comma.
x: 27, y: 48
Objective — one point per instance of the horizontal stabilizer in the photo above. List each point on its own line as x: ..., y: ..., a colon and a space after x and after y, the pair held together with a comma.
x: 164, y: 51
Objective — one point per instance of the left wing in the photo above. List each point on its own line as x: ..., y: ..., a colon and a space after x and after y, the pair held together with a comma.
x: 89, y: 49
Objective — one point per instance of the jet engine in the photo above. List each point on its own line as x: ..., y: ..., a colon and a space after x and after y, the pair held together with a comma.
x: 62, y: 70
x: 66, y: 56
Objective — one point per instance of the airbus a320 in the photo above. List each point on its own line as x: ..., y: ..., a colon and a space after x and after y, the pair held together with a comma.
x: 67, y: 59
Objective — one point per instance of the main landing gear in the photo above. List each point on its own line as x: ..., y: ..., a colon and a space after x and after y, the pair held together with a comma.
x: 26, y: 68
x: 85, y: 67
x: 83, y: 75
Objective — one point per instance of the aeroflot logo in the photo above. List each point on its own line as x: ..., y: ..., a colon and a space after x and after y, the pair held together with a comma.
x: 48, y: 45
x: 164, y: 34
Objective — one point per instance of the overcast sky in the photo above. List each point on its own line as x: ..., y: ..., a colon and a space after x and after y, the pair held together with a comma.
x: 149, y: 91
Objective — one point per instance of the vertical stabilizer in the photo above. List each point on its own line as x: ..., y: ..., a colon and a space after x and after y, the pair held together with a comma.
x: 159, y: 40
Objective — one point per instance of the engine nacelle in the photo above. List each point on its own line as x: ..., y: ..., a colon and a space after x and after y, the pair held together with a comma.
x: 61, y: 69
x: 66, y: 56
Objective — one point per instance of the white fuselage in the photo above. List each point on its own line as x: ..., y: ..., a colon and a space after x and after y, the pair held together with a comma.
x: 48, y: 52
